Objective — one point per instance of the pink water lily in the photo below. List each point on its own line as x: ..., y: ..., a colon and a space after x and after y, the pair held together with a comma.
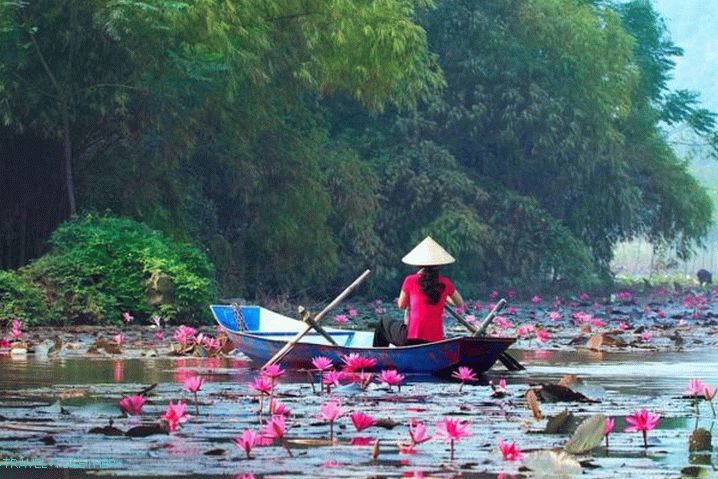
x: 503, y: 323
x: 156, y: 320
x: 16, y: 324
x: 695, y: 388
x: 4, y: 343
x: 391, y: 377
x: 623, y: 326
x: 184, y: 335
x: 275, y: 429
x: 597, y: 323
x: 362, y: 421
x: 537, y: 299
x: 211, y: 344
x: 554, y: 315
x: 510, y: 451
x: 127, y: 317
x: 322, y: 363
x: 275, y: 407
x: 451, y: 431
x: 159, y: 335
x: 132, y: 405
x: 417, y: 432
x: 341, y: 318
x: 646, y: 336
x: 494, y: 295
x: 119, y: 339
x: 246, y: 441
x: 194, y: 385
x: 273, y: 372
x: 332, y: 378
x: 16, y: 333
x: 352, y: 312
x: 608, y: 427
x: 464, y: 374
x: 542, y: 336
x: 175, y: 415
x: 355, y: 362
x: 330, y: 412
x: 642, y: 421
x: 584, y: 297
x: 709, y: 392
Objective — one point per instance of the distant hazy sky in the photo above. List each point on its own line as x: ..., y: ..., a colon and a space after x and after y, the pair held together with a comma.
x: 693, y: 26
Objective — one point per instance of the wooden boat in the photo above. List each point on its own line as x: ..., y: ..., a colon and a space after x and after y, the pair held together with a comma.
x: 259, y: 333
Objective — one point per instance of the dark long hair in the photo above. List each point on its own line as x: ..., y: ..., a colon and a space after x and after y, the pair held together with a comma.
x: 430, y: 285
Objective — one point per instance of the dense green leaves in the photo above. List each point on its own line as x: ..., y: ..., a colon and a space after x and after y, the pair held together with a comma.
x: 99, y: 267
x: 299, y: 142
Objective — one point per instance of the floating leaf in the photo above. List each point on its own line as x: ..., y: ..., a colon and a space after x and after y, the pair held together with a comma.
x: 556, y: 393
x: 146, y: 430
x: 561, y: 423
x: 548, y: 463
x: 588, y: 434
x: 568, y: 380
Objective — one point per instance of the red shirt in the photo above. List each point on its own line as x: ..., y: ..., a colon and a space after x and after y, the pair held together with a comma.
x: 425, y: 320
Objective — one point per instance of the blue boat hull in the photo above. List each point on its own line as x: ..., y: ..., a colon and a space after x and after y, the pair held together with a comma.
x: 438, y: 358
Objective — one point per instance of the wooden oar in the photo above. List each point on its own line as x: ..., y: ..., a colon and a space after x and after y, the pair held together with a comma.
x: 288, y: 347
x: 306, y: 316
x: 506, y: 359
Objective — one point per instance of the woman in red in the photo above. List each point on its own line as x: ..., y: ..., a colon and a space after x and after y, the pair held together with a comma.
x: 424, y: 294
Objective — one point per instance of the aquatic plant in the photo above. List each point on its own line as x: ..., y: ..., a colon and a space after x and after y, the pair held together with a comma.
x: 510, y: 451
x: 608, y: 428
x: 356, y: 362
x: 542, y: 336
x: 646, y: 336
x: 332, y: 378
x: 119, y: 339
x: 642, y: 421
x: 194, y: 385
x: 264, y: 387
x: 362, y: 421
x: 275, y: 429
x: 322, y: 363
x: 330, y: 412
x: 132, y: 405
x: 536, y: 299
x: 464, y: 374
x: 246, y: 441
x: 185, y: 335
x: 175, y: 415
x: 391, y: 377
x: 127, y: 317
x: 709, y: 392
x: 554, y: 315
x: 451, y: 431
x: 341, y: 318
x: 352, y: 312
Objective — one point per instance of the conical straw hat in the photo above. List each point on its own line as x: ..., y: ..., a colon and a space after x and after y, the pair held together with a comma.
x: 428, y: 253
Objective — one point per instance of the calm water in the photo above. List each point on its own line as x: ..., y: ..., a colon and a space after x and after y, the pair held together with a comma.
x: 62, y: 399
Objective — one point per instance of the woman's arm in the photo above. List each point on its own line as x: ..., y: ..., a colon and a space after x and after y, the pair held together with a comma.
x: 403, y: 301
x: 455, y: 299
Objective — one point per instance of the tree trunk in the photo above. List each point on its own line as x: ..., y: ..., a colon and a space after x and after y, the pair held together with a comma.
x: 67, y: 148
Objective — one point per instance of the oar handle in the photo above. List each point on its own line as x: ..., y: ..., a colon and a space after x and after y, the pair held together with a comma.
x: 485, y: 323
x: 460, y: 319
x: 288, y: 347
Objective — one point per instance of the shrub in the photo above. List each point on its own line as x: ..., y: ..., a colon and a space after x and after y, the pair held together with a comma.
x: 100, y: 266
x: 21, y: 299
